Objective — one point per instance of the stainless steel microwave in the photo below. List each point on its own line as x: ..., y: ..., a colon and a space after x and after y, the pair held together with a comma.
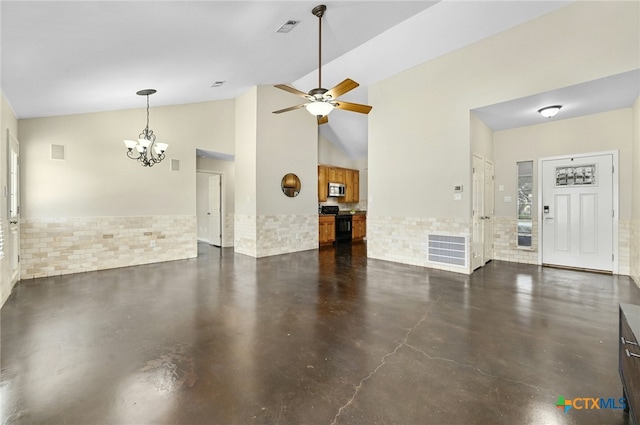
x: 336, y: 189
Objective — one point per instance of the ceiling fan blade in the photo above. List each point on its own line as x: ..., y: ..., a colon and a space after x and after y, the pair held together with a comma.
x: 342, y: 88
x: 291, y: 90
x: 323, y: 119
x: 354, y: 107
x: 291, y: 108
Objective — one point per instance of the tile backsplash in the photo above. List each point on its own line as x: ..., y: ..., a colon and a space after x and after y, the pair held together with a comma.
x: 359, y: 206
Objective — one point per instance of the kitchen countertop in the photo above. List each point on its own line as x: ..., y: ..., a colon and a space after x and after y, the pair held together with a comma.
x: 344, y: 213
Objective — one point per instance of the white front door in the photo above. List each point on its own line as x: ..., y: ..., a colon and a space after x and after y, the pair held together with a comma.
x: 487, y: 222
x: 13, y: 205
x: 477, y: 218
x: 577, y: 212
x: 215, y: 210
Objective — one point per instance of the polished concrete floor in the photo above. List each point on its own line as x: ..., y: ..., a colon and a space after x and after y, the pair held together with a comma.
x: 317, y: 337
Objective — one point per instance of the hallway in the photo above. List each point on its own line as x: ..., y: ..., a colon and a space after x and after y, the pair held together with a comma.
x: 315, y: 337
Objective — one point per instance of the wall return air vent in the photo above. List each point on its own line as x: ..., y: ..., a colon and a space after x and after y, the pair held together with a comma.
x: 446, y: 249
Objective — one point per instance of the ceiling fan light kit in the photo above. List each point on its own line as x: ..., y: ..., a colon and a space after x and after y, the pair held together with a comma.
x: 320, y: 100
x: 319, y: 108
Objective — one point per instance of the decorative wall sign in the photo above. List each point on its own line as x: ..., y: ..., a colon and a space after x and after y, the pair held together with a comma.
x: 579, y: 175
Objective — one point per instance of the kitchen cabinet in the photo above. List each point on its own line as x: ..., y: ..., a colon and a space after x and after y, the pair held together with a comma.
x: 352, y: 187
x: 629, y: 358
x: 348, y: 187
x: 327, y: 229
x: 358, y: 227
x: 350, y: 178
x: 336, y: 175
x: 323, y: 183
x: 356, y: 187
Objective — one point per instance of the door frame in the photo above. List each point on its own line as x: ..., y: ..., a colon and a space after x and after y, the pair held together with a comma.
x: 223, y: 206
x: 477, y: 217
x: 482, y: 220
x: 615, y: 200
x: 13, y: 247
x: 489, y: 216
x: 220, y: 217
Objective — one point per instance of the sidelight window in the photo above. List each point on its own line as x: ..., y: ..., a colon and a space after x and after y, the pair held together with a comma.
x: 525, y: 203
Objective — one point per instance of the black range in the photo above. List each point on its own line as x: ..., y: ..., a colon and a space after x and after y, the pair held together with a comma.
x: 343, y: 222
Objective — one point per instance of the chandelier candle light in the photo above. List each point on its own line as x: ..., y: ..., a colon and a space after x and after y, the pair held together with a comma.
x: 149, y: 152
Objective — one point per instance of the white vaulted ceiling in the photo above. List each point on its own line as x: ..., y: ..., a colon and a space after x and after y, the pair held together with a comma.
x: 68, y: 57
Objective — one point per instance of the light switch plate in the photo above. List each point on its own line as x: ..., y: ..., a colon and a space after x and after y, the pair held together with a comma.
x: 457, y: 196
x: 507, y: 199
x: 501, y: 188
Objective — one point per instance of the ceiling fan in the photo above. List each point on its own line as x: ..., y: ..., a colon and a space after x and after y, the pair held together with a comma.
x: 322, y: 101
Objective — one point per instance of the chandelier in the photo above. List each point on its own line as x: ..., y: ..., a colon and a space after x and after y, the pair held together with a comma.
x: 148, y: 152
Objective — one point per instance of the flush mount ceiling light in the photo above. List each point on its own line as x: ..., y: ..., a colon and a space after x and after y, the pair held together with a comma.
x: 149, y: 152
x: 322, y: 101
x: 550, y: 111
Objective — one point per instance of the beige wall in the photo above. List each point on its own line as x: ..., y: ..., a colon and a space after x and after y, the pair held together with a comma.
x: 419, y: 128
x: 268, y: 146
x: 329, y: 154
x: 481, y: 138
x: 635, y: 189
x: 97, y: 179
x: 245, y: 152
x: 607, y: 131
x: 98, y: 209
x: 287, y: 143
x: 9, y: 122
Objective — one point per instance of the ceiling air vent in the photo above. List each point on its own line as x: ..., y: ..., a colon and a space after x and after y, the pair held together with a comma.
x: 287, y: 26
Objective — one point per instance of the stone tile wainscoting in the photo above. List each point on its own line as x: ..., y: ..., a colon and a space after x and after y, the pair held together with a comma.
x: 227, y: 234
x: 281, y: 234
x: 505, y: 242
x: 624, y: 247
x: 404, y: 239
x: 265, y: 235
x: 244, y: 234
x: 56, y: 246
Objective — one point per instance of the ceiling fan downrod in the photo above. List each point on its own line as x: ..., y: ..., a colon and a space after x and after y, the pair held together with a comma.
x: 319, y: 12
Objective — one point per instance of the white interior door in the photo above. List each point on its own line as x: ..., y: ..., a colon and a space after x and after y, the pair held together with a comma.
x: 13, y: 205
x: 477, y: 249
x: 487, y: 222
x: 578, y: 212
x: 215, y: 210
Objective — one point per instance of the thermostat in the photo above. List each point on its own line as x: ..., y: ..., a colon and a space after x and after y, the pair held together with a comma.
x: 457, y: 188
